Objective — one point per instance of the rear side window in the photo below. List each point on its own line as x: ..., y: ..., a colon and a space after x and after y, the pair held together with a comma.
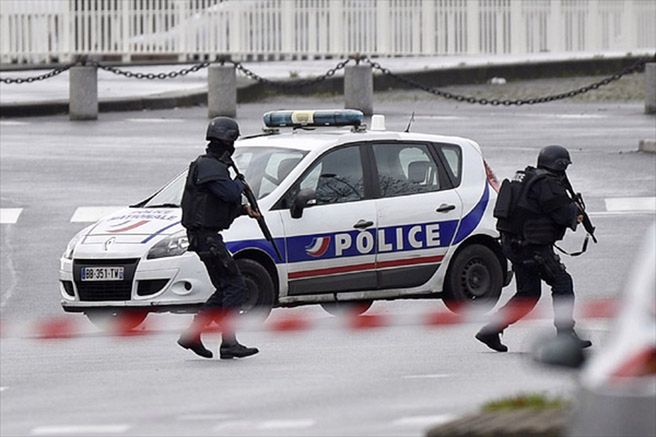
x: 405, y: 169
x: 453, y: 157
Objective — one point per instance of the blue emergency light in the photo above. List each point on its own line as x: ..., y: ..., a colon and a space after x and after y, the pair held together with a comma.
x: 324, y: 117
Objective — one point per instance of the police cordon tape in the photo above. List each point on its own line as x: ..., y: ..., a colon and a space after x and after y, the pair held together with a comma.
x: 74, y: 326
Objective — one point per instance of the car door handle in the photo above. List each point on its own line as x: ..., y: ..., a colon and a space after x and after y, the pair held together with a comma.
x: 363, y: 224
x: 445, y: 208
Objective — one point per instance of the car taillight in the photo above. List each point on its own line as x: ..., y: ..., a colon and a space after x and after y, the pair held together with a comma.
x: 641, y: 364
x: 491, y: 178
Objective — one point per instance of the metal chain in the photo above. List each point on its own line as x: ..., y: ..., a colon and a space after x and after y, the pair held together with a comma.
x: 637, y: 66
x: 48, y: 75
x: 295, y: 85
x: 152, y: 76
x: 290, y: 85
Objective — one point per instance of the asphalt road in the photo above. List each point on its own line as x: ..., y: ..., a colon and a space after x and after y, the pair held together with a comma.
x: 330, y: 382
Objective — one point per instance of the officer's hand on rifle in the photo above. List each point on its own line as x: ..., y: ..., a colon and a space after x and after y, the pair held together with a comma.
x: 252, y: 213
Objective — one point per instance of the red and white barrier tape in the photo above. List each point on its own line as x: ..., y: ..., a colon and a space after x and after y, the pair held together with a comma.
x: 72, y: 326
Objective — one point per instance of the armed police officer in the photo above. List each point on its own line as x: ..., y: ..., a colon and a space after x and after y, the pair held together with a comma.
x: 210, y: 203
x: 533, y: 212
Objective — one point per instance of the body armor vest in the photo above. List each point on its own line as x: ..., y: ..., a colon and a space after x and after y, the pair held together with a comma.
x: 525, y: 217
x: 200, y: 208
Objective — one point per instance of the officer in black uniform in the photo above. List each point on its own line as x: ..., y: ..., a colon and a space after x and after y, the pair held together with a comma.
x: 210, y: 203
x: 543, y: 214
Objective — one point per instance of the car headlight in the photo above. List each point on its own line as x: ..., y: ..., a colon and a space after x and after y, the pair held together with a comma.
x: 68, y: 253
x: 174, y: 245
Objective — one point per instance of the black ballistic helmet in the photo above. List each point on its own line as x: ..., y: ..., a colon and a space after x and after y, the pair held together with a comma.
x: 554, y: 158
x: 223, y: 129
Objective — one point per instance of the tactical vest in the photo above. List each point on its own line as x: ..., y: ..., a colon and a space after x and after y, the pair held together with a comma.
x: 522, y: 217
x: 200, y: 208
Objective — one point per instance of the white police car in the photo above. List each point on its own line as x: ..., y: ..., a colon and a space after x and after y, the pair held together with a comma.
x: 358, y: 215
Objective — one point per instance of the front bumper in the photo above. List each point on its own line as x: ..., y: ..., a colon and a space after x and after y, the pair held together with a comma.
x: 176, y: 283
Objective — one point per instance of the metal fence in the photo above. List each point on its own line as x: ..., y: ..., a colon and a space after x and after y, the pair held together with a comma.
x: 33, y: 31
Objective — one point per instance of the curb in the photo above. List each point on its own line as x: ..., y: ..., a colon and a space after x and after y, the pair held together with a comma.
x: 433, y: 78
x: 524, y: 422
x: 647, y: 146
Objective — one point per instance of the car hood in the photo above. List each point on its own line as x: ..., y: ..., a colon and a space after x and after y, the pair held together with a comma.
x: 138, y: 224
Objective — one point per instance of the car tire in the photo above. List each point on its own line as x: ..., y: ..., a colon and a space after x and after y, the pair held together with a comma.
x: 475, y: 277
x: 342, y: 308
x: 261, y: 295
x: 111, y: 320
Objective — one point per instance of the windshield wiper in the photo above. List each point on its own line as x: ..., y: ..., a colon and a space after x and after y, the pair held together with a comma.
x: 163, y: 205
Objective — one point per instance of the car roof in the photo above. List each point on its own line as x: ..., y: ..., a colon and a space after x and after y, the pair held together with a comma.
x: 322, y: 138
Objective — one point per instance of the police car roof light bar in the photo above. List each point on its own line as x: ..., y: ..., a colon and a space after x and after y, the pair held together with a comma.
x: 318, y: 118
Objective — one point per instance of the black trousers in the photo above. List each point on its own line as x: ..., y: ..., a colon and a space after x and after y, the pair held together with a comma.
x: 230, y: 289
x: 533, y: 264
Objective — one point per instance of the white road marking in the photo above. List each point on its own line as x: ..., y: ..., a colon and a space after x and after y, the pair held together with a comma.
x: 79, y: 429
x: 155, y: 120
x: 233, y: 425
x: 440, y: 117
x: 3, y: 389
x: 287, y: 424
x: 433, y: 376
x: 631, y: 204
x: 93, y: 213
x: 217, y: 416
x: 618, y: 213
x: 9, y: 215
x: 13, y: 123
x: 425, y: 420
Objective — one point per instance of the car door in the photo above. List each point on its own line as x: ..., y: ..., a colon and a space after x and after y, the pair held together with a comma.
x: 417, y: 212
x: 331, y: 247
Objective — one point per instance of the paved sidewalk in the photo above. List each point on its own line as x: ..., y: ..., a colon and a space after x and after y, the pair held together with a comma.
x: 115, y: 88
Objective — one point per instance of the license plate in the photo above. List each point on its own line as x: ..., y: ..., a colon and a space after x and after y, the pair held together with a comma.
x: 102, y: 273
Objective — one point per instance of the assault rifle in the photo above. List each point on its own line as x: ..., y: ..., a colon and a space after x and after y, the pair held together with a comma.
x: 252, y: 201
x: 578, y: 200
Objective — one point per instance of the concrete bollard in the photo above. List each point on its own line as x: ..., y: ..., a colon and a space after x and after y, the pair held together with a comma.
x: 83, y: 93
x: 359, y: 88
x: 650, y: 88
x: 221, y: 91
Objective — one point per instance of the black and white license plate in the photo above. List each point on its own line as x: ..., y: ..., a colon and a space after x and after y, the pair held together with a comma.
x: 102, y: 273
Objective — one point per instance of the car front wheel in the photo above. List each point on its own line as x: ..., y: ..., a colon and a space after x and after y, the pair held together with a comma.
x: 260, y: 296
x: 475, y: 277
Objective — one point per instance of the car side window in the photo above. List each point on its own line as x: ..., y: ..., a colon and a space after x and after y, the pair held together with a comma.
x: 336, y: 177
x: 405, y: 169
x: 453, y: 157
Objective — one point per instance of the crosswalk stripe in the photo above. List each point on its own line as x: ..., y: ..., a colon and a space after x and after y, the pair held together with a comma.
x: 425, y: 420
x: 13, y: 123
x: 9, y: 215
x: 631, y: 204
x: 286, y: 424
x: 79, y: 429
x: 93, y: 213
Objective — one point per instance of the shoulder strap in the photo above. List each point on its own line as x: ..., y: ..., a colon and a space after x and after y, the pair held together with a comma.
x: 583, y: 248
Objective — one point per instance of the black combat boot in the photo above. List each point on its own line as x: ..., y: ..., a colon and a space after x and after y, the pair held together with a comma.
x: 571, y: 333
x: 195, y: 344
x: 490, y: 336
x: 230, y: 347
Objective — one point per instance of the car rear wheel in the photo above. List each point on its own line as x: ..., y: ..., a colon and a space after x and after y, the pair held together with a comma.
x: 475, y: 277
x: 342, y: 308
x: 111, y: 320
x: 260, y: 296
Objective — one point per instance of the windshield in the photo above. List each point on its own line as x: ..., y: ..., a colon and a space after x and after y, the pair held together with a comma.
x: 264, y: 169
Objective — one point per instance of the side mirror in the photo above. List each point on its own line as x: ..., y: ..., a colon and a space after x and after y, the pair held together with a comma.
x: 303, y: 199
